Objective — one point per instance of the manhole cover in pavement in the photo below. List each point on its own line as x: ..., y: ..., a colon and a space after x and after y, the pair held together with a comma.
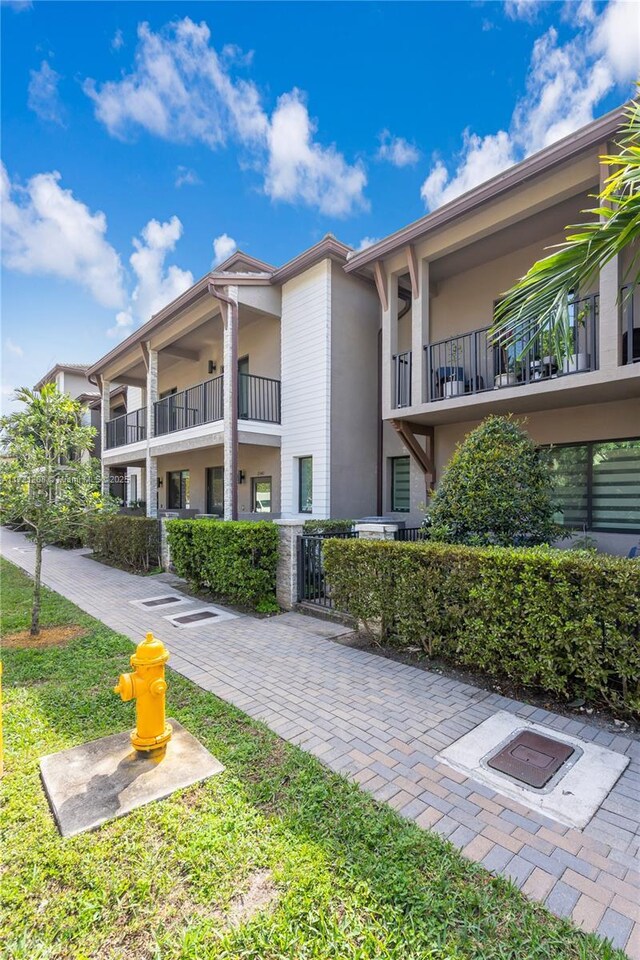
x: 160, y: 601
x: 531, y: 758
x: 194, y: 617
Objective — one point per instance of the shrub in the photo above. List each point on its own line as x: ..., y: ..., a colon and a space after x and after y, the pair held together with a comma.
x: 234, y: 560
x: 126, y: 541
x: 495, y: 490
x: 565, y: 621
x: 328, y: 526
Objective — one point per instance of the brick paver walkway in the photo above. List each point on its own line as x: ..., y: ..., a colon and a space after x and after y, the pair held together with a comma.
x: 381, y: 724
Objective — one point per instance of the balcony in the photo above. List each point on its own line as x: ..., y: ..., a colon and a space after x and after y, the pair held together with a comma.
x: 402, y: 379
x: 192, y: 407
x: 629, y: 330
x: 128, y: 428
x: 472, y: 364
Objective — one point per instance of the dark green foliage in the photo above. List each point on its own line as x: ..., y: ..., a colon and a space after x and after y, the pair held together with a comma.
x: 328, y: 526
x: 235, y: 560
x: 495, y: 491
x: 565, y: 621
x: 132, y: 543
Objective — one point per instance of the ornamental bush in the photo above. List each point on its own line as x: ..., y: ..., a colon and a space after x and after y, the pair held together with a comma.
x: 495, y: 490
x: 567, y: 622
x: 234, y: 560
x: 327, y: 526
x: 132, y: 543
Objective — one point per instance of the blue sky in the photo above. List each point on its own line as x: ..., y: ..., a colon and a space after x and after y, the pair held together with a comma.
x: 143, y: 141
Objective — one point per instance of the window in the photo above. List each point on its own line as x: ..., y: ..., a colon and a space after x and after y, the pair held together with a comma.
x: 133, y: 488
x: 400, y: 470
x: 597, y: 485
x: 215, y: 490
x: 261, y: 494
x: 305, y: 484
x: 178, y: 490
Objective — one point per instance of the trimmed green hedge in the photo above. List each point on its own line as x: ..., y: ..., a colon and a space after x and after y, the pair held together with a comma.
x: 129, y: 542
x: 565, y: 621
x: 327, y: 526
x: 234, y: 560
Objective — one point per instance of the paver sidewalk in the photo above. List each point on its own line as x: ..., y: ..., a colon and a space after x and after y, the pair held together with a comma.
x: 381, y: 724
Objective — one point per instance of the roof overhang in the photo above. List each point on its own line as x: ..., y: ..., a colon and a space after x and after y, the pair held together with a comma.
x: 582, y: 140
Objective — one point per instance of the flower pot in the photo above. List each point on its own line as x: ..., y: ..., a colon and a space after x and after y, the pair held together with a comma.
x: 453, y: 388
x: 504, y: 380
x: 575, y: 362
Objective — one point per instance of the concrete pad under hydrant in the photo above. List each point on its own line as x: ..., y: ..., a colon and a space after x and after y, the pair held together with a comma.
x: 99, y: 781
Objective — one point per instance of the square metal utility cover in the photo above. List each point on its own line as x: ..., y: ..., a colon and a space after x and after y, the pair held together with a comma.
x: 202, y: 616
x: 185, y: 618
x: 531, y: 758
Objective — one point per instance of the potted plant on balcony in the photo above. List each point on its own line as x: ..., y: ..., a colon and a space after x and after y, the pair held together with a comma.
x: 508, y: 374
x: 454, y: 381
x: 579, y: 359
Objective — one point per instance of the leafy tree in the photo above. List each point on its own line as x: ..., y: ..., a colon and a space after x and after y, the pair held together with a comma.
x: 538, y: 304
x: 495, y: 491
x: 44, y: 483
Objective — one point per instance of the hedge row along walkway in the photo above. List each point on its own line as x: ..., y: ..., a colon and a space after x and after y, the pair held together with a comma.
x: 381, y: 724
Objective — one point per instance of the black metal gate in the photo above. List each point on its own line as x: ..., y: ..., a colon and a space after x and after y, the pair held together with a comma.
x: 312, y: 587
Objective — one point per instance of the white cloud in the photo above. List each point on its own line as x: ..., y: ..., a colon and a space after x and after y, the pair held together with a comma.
x: 118, y: 40
x: 13, y: 348
x: 156, y: 284
x: 186, y: 177
x: 484, y: 157
x: 300, y: 169
x: 46, y: 230
x: 564, y: 86
x: 43, y: 95
x: 182, y: 90
x: 522, y: 9
x: 223, y: 247
x: 397, y: 150
x: 18, y: 6
x: 366, y: 242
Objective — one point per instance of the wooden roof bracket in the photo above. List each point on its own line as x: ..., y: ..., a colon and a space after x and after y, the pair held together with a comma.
x: 423, y: 456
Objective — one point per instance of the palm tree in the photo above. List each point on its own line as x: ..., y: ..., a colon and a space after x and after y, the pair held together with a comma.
x: 539, y: 302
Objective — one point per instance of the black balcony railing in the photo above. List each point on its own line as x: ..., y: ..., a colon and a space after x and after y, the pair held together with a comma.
x: 471, y: 363
x: 402, y: 381
x: 630, y: 332
x: 189, y: 408
x: 128, y: 428
x: 258, y: 398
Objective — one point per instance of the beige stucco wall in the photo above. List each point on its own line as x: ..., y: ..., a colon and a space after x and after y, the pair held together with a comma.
x: 465, y: 301
x: 605, y: 421
x: 355, y: 313
x: 258, y: 338
x: 255, y: 461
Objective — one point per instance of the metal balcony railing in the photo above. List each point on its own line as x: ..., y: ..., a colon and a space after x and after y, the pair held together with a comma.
x: 629, y: 332
x: 402, y: 379
x: 199, y: 404
x: 128, y: 428
x: 471, y: 363
x: 258, y: 398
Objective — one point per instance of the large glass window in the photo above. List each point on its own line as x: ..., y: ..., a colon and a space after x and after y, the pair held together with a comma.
x: 215, y: 490
x: 400, y: 472
x: 597, y: 485
x: 178, y: 490
x: 305, y: 484
x: 261, y: 494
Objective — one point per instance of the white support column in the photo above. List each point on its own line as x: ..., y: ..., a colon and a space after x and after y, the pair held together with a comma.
x: 609, y: 344
x: 230, y: 415
x: 420, y: 335
x: 151, y: 468
x: 389, y: 343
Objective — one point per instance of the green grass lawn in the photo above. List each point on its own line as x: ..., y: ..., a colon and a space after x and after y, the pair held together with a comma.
x: 353, y: 880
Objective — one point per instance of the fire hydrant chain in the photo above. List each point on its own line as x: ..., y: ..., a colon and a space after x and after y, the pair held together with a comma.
x: 148, y: 687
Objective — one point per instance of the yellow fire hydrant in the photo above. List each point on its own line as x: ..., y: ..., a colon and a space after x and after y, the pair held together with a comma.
x: 148, y: 686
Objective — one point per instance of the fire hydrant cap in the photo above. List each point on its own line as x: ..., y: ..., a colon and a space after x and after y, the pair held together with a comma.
x: 150, y: 651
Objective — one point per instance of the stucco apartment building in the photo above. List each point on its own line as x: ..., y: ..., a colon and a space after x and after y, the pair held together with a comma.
x: 71, y: 378
x: 340, y: 383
